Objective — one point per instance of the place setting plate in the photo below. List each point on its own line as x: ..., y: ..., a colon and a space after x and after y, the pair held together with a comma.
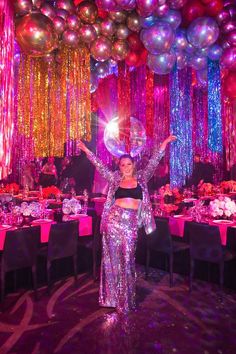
x: 222, y: 221
x: 41, y: 221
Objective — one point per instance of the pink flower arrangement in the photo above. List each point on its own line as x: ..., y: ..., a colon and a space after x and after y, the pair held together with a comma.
x: 206, y: 189
x: 51, y: 191
x: 222, y: 207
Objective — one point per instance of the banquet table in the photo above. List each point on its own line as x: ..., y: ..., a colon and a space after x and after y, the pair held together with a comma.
x: 85, y: 227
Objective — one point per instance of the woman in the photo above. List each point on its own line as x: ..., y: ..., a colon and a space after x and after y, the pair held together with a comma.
x: 48, y: 175
x: 127, y: 207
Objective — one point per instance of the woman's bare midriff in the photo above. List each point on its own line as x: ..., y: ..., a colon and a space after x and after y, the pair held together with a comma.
x: 128, y: 203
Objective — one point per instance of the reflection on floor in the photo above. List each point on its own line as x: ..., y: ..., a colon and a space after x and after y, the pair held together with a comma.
x: 167, y: 320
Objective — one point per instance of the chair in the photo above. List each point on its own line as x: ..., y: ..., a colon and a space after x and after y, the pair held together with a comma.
x: 161, y: 241
x: 205, y: 245
x: 62, y: 243
x: 20, y: 251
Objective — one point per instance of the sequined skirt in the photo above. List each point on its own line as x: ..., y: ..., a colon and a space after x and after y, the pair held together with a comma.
x: 117, y: 284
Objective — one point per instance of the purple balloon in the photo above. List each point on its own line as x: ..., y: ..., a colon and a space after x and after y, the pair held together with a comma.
x: 177, y: 4
x: 102, y: 69
x: 161, y: 11
x: 228, y: 59
x: 162, y: 63
x: 173, y: 17
x: 181, y: 59
x: 190, y: 49
x: 231, y: 38
x: 232, y: 10
x: 158, y: 38
x: 203, y: 32
x: 146, y: 8
x: 181, y: 41
x: 147, y: 22
x: 202, y: 52
x: 228, y: 27
x: 215, y: 51
x: 198, y: 63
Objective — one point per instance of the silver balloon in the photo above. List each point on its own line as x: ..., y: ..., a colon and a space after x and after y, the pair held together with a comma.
x: 102, y: 69
x: 203, y: 32
x: 116, y: 146
x: 173, y: 17
x: 158, y: 38
x: 162, y: 63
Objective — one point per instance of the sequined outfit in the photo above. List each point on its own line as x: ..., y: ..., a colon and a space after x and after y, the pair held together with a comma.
x: 119, y: 228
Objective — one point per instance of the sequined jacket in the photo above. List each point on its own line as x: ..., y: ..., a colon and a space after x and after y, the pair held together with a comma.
x: 145, y: 215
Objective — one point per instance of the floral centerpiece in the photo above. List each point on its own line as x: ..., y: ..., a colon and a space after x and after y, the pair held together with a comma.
x: 206, y: 189
x: 51, y: 192
x: 10, y: 188
x: 169, y: 194
x: 222, y: 207
x: 228, y: 186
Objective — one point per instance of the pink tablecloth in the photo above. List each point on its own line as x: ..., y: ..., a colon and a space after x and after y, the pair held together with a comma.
x: 3, y: 230
x: 45, y: 225
x: 85, y: 224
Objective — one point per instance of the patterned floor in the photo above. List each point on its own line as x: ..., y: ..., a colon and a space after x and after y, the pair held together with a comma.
x: 168, y: 320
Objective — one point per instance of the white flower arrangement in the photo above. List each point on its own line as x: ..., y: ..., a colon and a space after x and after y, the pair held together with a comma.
x: 222, y: 207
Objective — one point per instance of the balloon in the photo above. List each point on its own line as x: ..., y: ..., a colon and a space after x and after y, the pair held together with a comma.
x: 177, y: 4
x: 228, y: 26
x: 101, y: 48
x: 108, y: 27
x: 40, y: 39
x: 162, y: 63
x: 146, y: 8
x: 135, y: 43
x: 230, y: 84
x: 173, y: 17
x: 87, y: 33
x: 73, y: 22
x: 192, y: 10
x: 181, y: 60
x: 37, y: 3
x: 109, y: 5
x: 214, y: 7
x: 231, y: 37
x: 158, y: 38
x: 102, y: 69
x: 70, y: 38
x: 48, y: 10
x: 198, y: 63
x: 127, y: 5
x: 215, y: 51
x: 202, y: 52
x: 203, y: 32
x: 161, y: 11
x: 132, y: 58
x: 133, y: 22
x: 94, y: 80
x: 181, y: 41
x: 147, y: 22
x: 117, y: 147
x: 223, y: 17
x: 228, y: 58
x: 97, y: 27
x: 142, y: 57
x: 232, y: 10
x: 122, y: 31
x: 118, y: 16
x: 190, y: 49
x: 87, y: 12
x: 22, y: 7
x: 67, y: 5
x: 102, y: 13
x: 62, y: 13
x: 120, y: 49
x: 59, y: 24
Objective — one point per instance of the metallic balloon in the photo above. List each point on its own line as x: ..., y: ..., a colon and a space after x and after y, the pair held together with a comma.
x: 48, y: 10
x: 120, y: 49
x: 133, y: 22
x: 73, y: 22
x: 228, y: 58
x: 162, y: 10
x: 97, y: 27
x: 108, y: 5
x: 87, y: 33
x: 158, y: 38
x: 59, y: 24
x: 49, y: 59
x: 127, y: 5
x: 173, y: 17
x: 94, y: 80
x: 190, y: 49
x: 37, y: 3
x: 22, y: 7
x: 146, y: 8
x: 62, y: 13
x: 67, y: 5
x: 118, y: 16
x: 181, y: 41
x: 70, y: 38
x: 116, y: 146
x: 223, y: 17
x: 35, y: 34
x: 162, y: 63
x: 87, y: 12
x: 181, y: 59
x: 215, y: 51
x: 122, y: 31
x: 203, y: 32
x: 198, y: 63
x: 228, y: 26
x: 101, y: 48
x: 108, y: 27
x: 202, y: 52
x: 176, y: 4
x: 231, y: 37
x: 147, y: 22
x: 102, y: 69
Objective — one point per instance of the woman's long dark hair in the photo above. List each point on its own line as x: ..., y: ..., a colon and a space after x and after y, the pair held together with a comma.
x: 126, y: 156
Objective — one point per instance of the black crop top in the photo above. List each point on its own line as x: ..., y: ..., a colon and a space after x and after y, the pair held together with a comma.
x: 135, y: 193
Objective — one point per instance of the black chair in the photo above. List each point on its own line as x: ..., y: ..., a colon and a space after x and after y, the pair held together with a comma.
x: 62, y: 243
x: 161, y: 241
x: 205, y: 245
x: 20, y: 251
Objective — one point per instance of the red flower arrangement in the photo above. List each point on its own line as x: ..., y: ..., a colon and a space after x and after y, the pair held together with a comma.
x: 9, y: 188
x: 51, y: 192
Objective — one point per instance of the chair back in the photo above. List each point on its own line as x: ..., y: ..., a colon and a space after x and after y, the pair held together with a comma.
x: 205, y: 242
x: 160, y: 239
x: 63, y: 239
x: 20, y: 248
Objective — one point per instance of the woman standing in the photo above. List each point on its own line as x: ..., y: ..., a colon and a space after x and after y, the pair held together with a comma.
x: 127, y: 207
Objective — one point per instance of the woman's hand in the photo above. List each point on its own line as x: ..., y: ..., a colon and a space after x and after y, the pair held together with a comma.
x: 82, y: 146
x: 167, y: 141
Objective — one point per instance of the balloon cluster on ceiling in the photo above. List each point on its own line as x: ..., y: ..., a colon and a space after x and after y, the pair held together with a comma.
x: 161, y: 33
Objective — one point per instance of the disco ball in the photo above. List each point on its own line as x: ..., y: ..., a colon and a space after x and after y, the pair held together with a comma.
x: 116, y: 146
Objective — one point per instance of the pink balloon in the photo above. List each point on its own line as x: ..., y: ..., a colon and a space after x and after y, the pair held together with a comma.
x: 133, y: 22
x: 62, y: 13
x: 22, y: 7
x: 108, y: 27
x: 101, y: 48
x: 161, y: 11
x: 67, y: 5
x: 109, y: 5
x: 146, y: 8
x: 228, y: 59
x: 48, y: 10
x: 231, y: 37
x: 59, y: 24
x: 120, y: 49
x: 87, y: 33
x: 70, y: 38
x: 228, y: 26
x: 73, y: 22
